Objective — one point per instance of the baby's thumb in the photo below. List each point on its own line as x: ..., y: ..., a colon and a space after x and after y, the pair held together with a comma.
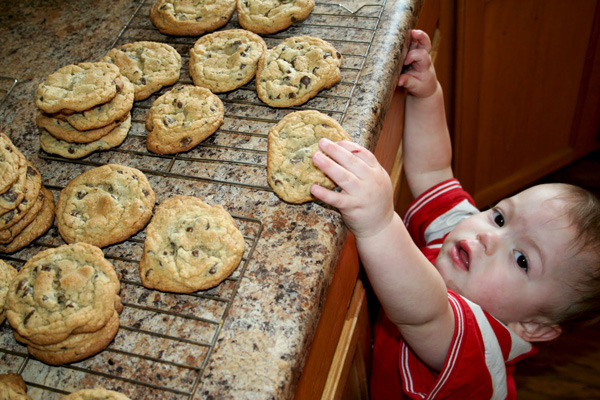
x: 407, y: 82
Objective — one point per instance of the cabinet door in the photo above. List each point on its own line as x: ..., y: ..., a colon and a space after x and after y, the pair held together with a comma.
x: 523, y: 69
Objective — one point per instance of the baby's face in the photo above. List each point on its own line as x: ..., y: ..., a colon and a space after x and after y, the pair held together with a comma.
x: 514, y: 259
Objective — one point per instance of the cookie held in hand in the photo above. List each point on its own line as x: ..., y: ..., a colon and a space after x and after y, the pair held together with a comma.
x: 292, y: 143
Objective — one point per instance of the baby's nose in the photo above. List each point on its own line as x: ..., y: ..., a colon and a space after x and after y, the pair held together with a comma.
x: 489, y: 241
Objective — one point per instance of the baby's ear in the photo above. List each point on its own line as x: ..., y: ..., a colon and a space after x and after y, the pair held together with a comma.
x: 535, y: 331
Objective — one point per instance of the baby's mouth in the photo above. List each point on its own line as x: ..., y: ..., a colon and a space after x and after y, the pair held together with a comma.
x: 463, y: 254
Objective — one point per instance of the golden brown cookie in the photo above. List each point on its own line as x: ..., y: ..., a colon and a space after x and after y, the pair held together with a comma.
x: 104, y: 205
x: 13, y: 387
x: 225, y: 60
x: 292, y: 143
x: 190, y: 18
x: 75, y: 347
x: 190, y: 246
x: 103, y: 114
x: 62, y: 291
x: 64, y: 131
x: 181, y: 118
x: 296, y: 70
x: 11, y: 163
x: 7, y: 273
x: 270, y: 16
x: 52, y: 145
x: 148, y: 65
x: 38, y: 226
x: 77, y: 87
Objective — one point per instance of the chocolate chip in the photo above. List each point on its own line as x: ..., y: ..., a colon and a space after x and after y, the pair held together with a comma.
x: 71, y: 150
x: 189, y: 229
x: 31, y: 171
x: 80, y: 195
x: 213, y: 270
x: 195, y: 253
x: 27, y: 317
x: 185, y: 141
x: 292, y: 96
x: 305, y: 80
x: 146, y: 192
x: 168, y: 120
x: 10, y: 195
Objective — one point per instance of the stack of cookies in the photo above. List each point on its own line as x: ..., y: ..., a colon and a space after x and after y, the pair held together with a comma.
x: 84, y: 108
x: 64, y: 303
x: 26, y: 206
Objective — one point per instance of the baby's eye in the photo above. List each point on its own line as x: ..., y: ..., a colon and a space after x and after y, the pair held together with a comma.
x: 498, y: 217
x: 521, y: 261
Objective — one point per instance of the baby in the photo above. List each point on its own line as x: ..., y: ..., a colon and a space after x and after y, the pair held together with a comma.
x: 464, y: 292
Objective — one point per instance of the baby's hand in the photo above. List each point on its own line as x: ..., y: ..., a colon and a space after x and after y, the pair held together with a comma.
x: 419, y: 79
x: 365, y: 200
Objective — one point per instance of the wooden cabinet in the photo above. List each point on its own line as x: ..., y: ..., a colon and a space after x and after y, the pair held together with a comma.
x: 521, y: 85
x: 525, y: 91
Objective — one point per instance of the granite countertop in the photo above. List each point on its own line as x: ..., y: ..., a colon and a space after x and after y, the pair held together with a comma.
x: 248, y: 337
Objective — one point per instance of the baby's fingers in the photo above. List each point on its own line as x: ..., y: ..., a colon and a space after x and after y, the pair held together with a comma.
x: 344, y: 153
x: 420, y: 40
x: 336, y: 172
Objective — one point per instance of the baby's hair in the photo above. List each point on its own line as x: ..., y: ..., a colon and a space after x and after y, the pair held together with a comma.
x: 583, y: 209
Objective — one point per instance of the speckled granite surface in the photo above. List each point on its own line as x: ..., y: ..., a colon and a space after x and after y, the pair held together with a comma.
x: 248, y: 337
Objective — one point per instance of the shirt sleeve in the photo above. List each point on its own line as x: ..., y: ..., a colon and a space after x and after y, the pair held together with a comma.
x: 437, y: 211
x: 475, y: 367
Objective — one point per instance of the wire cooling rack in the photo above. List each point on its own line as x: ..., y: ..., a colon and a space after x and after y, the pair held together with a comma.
x: 7, y: 85
x: 165, y: 340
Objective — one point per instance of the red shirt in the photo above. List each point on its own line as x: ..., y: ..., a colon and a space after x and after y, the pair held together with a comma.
x: 483, y: 352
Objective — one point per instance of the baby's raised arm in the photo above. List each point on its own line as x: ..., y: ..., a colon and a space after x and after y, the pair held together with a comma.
x: 410, y: 289
x: 427, y: 149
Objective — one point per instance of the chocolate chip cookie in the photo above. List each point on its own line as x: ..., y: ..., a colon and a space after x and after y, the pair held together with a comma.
x: 225, y: 60
x: 296, y: 70
x: 270, y: 16
x: 189, y: 246
x: 115, y: 137
x: 292, y: 143
x: 62, y: 291
x: 104, y: 205
x: 148, y: 65
x: 11, y: 163
x: 64, y: 131
x: 77, y: 87
x: 190, y: 18
x: 25, y: 232
x: 181, y: 118
x: 7, y: 273
x: 96, y: 394
x: 103, y: 114
x: 13, y: 387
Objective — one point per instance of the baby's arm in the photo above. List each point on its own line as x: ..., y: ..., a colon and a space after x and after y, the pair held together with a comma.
x: 408, y: 286
x: 427, y: 149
